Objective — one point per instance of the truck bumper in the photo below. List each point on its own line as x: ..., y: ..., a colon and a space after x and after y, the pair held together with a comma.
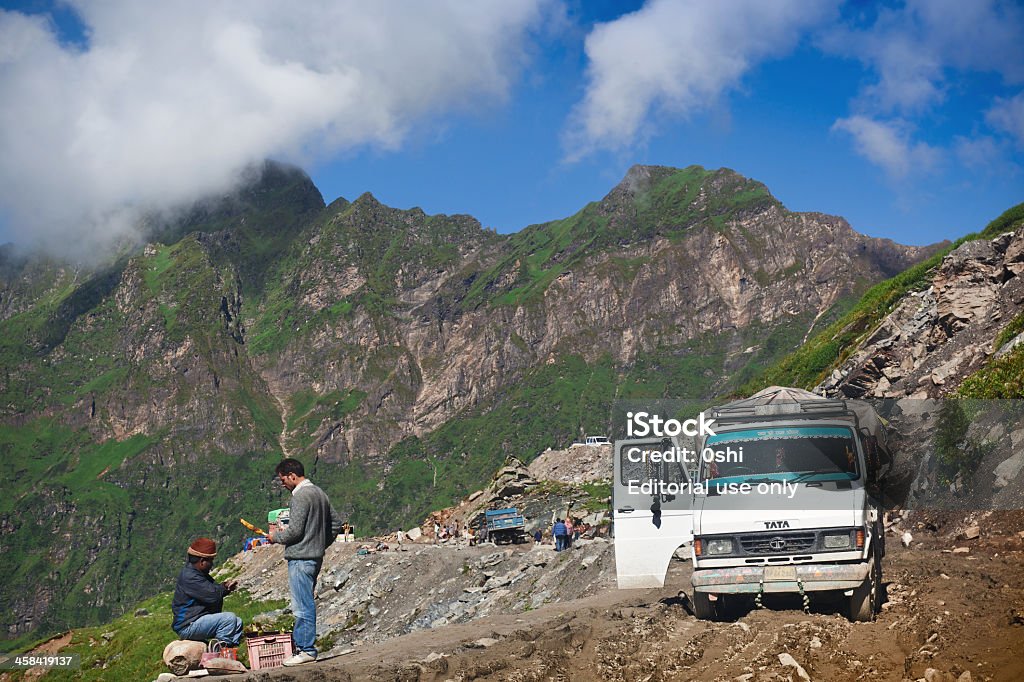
x: 788, y: 578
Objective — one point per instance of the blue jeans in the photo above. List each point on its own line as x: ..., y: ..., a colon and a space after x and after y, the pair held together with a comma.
x: 302, y: 574
x: 226, y: 626
x: 560, y: 543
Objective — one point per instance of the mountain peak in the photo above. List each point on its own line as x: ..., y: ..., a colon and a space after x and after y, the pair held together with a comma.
x: 367, y: 199
x: 270, y: 171
x: 666, y: 196
x: 639, y: 178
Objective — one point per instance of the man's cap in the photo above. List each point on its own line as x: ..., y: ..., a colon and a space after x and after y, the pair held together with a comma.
x: 203, y: 547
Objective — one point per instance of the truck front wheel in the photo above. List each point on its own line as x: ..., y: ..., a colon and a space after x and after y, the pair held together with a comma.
x: 703, y: 607
x: 864, y: 601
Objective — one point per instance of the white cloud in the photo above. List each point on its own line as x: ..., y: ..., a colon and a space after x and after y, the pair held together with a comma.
x: 677, y: 56
x: 1007, y: 115
x: 979, y: 153
x: 170, y: 100
x: 920, y: 53
x: 914, y: 48
x: 888, y: 144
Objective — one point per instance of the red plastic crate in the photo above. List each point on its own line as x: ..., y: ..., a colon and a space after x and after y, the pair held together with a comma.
x: 269, y: 651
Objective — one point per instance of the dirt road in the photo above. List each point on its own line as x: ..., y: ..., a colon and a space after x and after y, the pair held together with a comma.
x: 953, y: 613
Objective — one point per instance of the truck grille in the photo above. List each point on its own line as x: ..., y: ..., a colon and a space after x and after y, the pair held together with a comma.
x: 777, y: 543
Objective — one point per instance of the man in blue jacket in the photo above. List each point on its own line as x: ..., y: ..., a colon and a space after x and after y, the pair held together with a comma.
x: 561, y: 533
x: 312, y: 526
x: 198, y: 600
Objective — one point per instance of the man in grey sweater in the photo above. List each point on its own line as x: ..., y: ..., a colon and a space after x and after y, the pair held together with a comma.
x: 312, y: 526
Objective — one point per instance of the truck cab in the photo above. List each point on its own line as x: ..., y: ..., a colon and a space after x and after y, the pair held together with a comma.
x: 779, y: 503
x: 505, y: 526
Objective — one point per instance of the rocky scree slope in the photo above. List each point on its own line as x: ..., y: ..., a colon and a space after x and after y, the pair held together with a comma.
x: 967, y: 314
x: 366, y: 599
x: 948, y: 359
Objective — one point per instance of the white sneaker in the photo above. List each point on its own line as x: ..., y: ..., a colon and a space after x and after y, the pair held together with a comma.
x: 299, y: 659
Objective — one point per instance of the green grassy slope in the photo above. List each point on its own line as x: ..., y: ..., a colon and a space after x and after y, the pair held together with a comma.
x: 131, y: 647
x: 91, y: 516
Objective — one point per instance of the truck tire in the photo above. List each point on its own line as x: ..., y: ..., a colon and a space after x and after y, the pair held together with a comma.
x: 864, y: 601
x: 703, y: 607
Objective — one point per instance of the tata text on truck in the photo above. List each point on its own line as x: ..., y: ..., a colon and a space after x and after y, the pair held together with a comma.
x: 775, y: 497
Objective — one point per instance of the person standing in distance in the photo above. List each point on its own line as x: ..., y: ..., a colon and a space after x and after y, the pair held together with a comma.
x: 558, y: 530
x: 312, y: 527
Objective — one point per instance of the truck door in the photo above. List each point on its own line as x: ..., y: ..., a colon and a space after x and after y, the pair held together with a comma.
x: 652, y: 507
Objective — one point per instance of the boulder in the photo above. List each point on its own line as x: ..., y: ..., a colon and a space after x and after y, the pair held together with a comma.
x: 787, y: 660
x: 935, y: 675
x: 1010, y: 467
x: 482, y: 643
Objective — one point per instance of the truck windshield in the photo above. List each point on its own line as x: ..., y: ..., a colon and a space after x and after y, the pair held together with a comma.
x: 781, y: 453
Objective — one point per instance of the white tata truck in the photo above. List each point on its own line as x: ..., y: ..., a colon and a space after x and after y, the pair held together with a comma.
x: 776, y: 498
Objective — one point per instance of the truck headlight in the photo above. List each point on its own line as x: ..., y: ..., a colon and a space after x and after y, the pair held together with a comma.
x: 719, y: 546
x: 837, y: 541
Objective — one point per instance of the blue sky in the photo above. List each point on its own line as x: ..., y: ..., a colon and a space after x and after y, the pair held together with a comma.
x: 905, y: 118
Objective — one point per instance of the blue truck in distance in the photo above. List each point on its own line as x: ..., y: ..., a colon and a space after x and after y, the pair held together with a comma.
x: 505, y: 526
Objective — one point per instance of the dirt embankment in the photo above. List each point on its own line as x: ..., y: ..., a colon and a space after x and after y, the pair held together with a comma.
x: 948, y: 616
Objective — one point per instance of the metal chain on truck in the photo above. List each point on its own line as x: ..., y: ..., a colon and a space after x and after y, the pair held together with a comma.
x: 807, y: 600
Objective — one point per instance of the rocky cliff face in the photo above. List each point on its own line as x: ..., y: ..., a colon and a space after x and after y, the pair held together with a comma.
x: 945, y: 332
x: 402, y: 356
x: 467, y: 313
